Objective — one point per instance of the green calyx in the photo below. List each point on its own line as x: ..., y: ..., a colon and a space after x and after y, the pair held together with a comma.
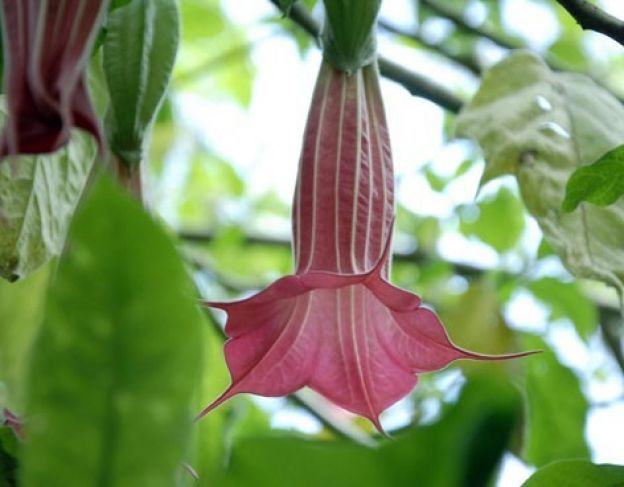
x: 349, y: 33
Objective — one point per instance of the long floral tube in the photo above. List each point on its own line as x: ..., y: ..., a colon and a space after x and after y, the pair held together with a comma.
x: 338, y: 325
x: 47, y: 45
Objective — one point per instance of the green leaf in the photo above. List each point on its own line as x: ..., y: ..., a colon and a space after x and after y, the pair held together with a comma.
x: 38, y: 195
x: 463, y: 448
x: 566, y: 300
x: 8, y: 457
x: 21, y: 311
x: 139, y: 52
x: 541, y: 126
x: 577, y: 473
x: 503, y: 207
x: 116, y: 362
x: 600, y: 183
x: 557, y: 409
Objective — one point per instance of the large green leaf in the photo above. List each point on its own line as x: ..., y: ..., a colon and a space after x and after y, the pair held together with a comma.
x: 462, y: 449
x: 139, y: 52
x: 540, y: 126
x: 577, y: 473
x: 21, y: 310
x: 557, y: 409
x: 116, y: 363
x: 601, y: 183
x: 216, y: 431
x: 38, y: 195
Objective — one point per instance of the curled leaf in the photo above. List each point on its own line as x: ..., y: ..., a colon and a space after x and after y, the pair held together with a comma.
x: 541, y: 126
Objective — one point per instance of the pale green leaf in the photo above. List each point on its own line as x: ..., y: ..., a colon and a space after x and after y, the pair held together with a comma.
x: 577, y: 473
x: 557, y: 409
x: 21, y: 311
x: 601, y: 183
x: 38, y: 195
x: 139, y: 52
x: 541, y: 126
x: 566, y: 300
x: 502, y: 207
x: 115, y: 367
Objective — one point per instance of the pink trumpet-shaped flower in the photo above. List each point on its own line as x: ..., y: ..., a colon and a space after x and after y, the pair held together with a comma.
x: 47, y: 45
x: 337, y: 325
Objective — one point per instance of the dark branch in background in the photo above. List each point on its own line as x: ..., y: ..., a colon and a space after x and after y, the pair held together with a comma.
x: 416, y: 84
x: 467, y: 62
x: 416, y: 257
x: 470, y: 62
x: 590, y: 17
x: 458, y: 19
x: 503, y: 41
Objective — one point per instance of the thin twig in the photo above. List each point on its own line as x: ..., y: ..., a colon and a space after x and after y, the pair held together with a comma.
x: 466, y: 62
x: 416, y: 84
x: 503, y: 41
x: 458, y: 19
x: 590, y: 17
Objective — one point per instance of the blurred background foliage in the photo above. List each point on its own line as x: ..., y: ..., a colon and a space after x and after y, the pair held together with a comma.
x: 219, y: 173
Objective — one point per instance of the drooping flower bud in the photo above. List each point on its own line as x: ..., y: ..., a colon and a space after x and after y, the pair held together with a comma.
x: 338, y: 325
x: 46, y: 45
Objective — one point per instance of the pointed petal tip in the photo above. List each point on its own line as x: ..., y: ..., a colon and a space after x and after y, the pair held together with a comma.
x: 227, y: 394
x: 507, y: 356
x: 380, y: 429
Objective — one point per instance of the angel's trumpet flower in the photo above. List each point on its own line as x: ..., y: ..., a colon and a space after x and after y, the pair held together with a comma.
x: 46, y: 45
x: 338, y: 325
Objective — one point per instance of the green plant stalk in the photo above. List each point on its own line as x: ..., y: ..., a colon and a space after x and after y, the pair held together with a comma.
x: 348, y: 35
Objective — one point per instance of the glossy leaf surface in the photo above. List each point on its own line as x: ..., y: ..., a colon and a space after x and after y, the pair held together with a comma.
x: 577, y: 473
x: 600, y: 183
x: 38, y: 195
x: 115, y: 366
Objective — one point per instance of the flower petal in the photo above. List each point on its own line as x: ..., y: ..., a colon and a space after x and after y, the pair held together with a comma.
x: 47, y: 45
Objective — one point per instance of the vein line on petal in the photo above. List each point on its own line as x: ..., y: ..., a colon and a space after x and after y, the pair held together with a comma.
x: 356, y: 351
x: 341, y: 341
x: 370, y: 187
x: 338, y: 164
x: 356, y: 192
x: 382, y: 162
x: 315, y: 174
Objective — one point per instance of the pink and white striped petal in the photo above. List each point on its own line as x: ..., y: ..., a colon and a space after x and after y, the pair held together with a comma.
x: 47, y: 45
x: 338, y: 325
